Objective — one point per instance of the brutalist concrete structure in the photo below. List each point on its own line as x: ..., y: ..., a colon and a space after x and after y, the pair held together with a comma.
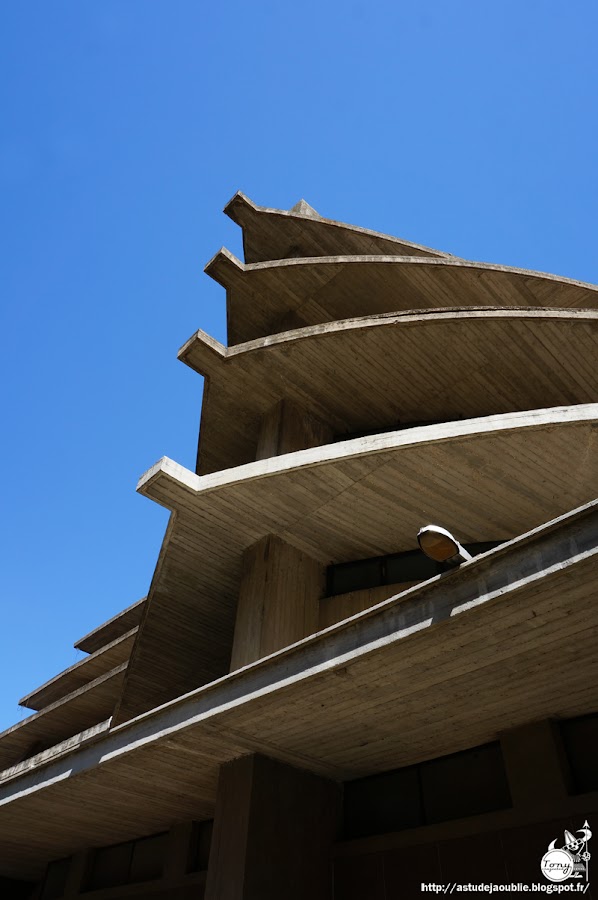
x: 305, y: 706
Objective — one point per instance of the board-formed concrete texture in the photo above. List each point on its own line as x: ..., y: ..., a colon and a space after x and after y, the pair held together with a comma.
x: 371, y: 385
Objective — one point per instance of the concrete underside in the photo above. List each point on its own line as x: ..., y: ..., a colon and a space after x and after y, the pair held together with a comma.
x: 445, y: 666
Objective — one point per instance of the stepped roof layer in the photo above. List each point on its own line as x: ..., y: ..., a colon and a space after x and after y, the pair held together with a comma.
x: 476, y: 387
x: 270, y: 297
x: 394, y: 370
x: 114, y: 628
x: 301, y: 231
x: 82, y: 672
x: 70, y: 714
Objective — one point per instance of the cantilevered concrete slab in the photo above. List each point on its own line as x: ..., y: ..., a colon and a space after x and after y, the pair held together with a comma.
x: 270, y: 297
x: 83, y: 708
x: 485, y: 479
x: 301, y: 231
x: 446, y: 665
x: 393, y: 370
x: 112, y: 629
x: 82, y: 672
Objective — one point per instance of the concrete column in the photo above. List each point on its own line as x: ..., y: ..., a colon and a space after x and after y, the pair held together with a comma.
x: 536, y: 766
x: 287, y: 427
x: 273, y: 832
x: 278, y: 599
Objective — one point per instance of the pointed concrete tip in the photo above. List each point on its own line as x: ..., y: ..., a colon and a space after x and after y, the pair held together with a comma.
x: 304, y: 209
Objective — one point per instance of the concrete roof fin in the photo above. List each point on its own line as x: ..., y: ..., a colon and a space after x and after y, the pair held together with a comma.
x: 303, y: 208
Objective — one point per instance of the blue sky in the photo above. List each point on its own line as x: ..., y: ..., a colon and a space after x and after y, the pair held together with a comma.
x: 127, y: 126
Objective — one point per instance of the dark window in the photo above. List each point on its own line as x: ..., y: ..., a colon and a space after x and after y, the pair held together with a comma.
x: 354, y: 576
x: 411, y: 566
x: 580, y: 740
x: 397, y: 568
x: 450, y: 787
x: 55, y: 880
x: 464, y: 784
x: 199, y: 847
x: 382, y: 803
x: 110, y: 866
x: 128, y: 863
x: 148, y: 857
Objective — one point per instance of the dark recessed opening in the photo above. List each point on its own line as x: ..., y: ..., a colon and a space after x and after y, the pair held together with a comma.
x: 463, y: 784
x: 199, y: 846
x: 128, y: 863
x: 580, y: 740
x: 55, y: 880
x: 397, y: 568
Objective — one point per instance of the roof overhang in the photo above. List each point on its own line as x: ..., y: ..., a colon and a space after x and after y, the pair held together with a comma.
x: 268, y: 297
x: 483, y: 479
x: 431, y: 365
x: 507, y: 638
x: 274, y: 233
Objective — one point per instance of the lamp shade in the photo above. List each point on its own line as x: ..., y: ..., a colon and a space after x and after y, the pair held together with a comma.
x: 440, y: 545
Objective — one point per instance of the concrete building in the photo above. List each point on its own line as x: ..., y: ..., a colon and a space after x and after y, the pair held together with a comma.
x: 306, y: 706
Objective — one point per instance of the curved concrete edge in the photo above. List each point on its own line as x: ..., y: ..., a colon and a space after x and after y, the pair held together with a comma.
x: 205, y: 355
x: 224, y: 267
x: 240, y: 209
x: 186, y: 482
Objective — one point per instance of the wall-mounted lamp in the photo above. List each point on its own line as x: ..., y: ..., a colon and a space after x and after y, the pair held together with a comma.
x: 440, y: 545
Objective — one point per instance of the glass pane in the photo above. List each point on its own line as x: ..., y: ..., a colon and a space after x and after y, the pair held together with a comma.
x: 405, y: 567
x: 382, y: 803
x: 110, y: 866
x: 464, y: 784
x: 354, y: 576
x: 148, y: 858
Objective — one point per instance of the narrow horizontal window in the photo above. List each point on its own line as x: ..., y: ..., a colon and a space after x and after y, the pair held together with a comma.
x: 463, y: 784
x: 131, y: 862
x: 383, y: 803
x: 397, y: 568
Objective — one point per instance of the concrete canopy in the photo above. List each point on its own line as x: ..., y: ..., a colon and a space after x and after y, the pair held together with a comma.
x: 392, y: 370
x: 369, y: 693
x: 484, y: 479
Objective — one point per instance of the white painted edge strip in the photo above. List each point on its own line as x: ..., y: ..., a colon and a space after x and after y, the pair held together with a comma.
x: 345, y: 451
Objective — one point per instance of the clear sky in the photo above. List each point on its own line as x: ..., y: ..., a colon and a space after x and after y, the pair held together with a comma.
x: 126, y: 126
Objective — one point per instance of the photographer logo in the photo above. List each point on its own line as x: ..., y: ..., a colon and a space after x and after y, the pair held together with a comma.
x: 569, y: 861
